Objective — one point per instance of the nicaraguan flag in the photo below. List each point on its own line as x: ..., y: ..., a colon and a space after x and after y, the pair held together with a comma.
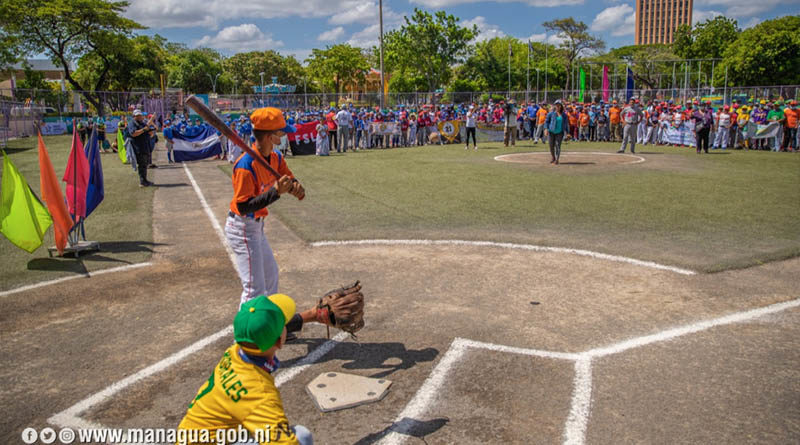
x: 197, y: 143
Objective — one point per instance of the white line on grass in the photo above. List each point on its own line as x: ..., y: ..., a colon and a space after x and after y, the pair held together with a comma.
x: 580, y: 406
x: 580, y: 252
x: 502, y: 158
x: 72, y: 277
x: 210, y: 214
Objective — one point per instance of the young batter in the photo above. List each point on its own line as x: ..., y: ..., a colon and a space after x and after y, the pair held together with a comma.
x: 254, y: 188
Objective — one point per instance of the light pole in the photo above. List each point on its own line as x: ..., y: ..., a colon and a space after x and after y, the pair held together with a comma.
x: 213, y: 81
x: 262, y: 87
x: 537, y: 85
x: 305, y: 93
x: 383, y: 79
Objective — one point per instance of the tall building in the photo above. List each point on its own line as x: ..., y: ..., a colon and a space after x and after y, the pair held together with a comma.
x: 657, y: 20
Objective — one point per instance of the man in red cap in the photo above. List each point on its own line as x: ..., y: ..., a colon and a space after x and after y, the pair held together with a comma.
x: 254, y: 188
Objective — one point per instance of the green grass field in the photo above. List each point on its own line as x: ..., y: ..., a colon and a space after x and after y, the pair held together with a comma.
x: 707, y: 212
x: 122, y: 222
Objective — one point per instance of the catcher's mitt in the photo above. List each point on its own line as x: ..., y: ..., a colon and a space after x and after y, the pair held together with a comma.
x: 343, y: 308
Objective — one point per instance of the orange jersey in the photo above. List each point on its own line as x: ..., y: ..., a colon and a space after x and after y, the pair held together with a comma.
x: 613, y: 114
x: 584, y: 120
x: 251, y: 179
x: 792, y: 117
x: 541, y: 116
x: 573, y: 119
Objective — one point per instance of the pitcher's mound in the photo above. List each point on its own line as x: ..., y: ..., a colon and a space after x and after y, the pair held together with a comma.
x: 572, y: 158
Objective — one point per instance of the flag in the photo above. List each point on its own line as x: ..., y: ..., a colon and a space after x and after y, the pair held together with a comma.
x: 54, y: 198
x: 121, y: 150
x: 198, y: 143
x: 94, y: 190
x: 629, y: 86
x: 23, y: 217
x: 303, y: 141
x: 77, y: 178
x: 606, y: 84
x: 583, y: 86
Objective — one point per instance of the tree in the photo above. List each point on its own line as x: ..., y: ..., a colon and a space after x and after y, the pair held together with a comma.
x: 64, y: 30
x: 193, y: 70
x: 335, y: 65
x: 244, y: 69
x: 428, y: 45
x: 708, y: 40
x: 138, y: 62
x: 576, y: 41
x: 765, y: 54
x: 9, y: 50
x: 648, y: 62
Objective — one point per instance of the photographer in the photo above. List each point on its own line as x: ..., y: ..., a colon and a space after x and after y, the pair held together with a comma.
x: 510, y: 119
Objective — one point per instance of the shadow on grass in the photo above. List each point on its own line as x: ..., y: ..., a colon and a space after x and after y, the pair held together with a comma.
x: 409, y: 427
x: 58, y: 265
x: 576, y: 163
x: 11, y: 150
x: 718, y: 153
x: 128, y: 246
x: 370, y: 355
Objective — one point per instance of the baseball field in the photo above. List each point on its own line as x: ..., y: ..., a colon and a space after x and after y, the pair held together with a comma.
x: 647, y: 298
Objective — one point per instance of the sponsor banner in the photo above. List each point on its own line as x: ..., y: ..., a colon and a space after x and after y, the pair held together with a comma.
x: 490, y: 132
x: 682, y: 135
x: 770, y: 130
x: 303, y: 141
x: 449, y: 129
x: 54, y: 128
x: 384, y: 128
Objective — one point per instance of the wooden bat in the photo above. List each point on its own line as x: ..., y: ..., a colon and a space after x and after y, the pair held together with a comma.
x: 209, y: 116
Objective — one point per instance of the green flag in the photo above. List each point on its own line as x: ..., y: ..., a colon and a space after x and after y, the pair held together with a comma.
x: 23, y: 217
x: 583, y: 85
x: 121, y: 151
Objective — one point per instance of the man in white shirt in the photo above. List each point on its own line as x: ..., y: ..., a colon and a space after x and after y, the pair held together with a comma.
x: 723, y: 128
x: 345, y: 122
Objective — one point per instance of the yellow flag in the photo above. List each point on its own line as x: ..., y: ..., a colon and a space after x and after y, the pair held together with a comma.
x: 23, y: 217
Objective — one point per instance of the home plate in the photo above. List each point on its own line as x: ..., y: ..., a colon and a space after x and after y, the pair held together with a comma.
x: 333, y: 391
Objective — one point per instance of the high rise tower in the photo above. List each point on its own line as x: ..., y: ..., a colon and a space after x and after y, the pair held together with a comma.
x: 657, y: 20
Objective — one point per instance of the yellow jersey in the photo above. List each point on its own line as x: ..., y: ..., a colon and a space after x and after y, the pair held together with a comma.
x: 240, y: 392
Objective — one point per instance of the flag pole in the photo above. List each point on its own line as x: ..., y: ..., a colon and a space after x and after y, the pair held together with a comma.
x: 509, y: 70
x: 545, y: 68
x: 528, y: 74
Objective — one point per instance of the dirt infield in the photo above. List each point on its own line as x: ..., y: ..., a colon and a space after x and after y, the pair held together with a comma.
x: 484, y: 343
x: 573, y: 158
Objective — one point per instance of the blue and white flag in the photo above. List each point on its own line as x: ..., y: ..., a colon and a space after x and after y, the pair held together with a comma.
x: 196, y: 143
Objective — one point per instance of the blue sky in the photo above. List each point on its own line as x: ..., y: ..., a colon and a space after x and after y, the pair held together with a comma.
x: 296, y: 26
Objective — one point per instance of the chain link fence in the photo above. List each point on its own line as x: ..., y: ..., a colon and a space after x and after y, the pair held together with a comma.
x: 18, y: 120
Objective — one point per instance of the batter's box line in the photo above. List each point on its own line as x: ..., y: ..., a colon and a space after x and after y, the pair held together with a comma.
x: 71, y: 417
x: 580, y: 405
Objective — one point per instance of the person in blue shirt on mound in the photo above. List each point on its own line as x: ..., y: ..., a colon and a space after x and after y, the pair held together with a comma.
x: 556, y: 126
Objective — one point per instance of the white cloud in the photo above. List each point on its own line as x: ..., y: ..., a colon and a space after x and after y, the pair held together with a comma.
x: 367, y: 37
x: 702, y: 16
x: 620, y: 20
x: 331, y: 34
x: 745, y: 8
x: 544, y: 3
x: 300, y: 54
x: 366, y: 12
x: 487, y: 31
x: 552, y: 39
x: 244, y: 36
x: 751, y: 23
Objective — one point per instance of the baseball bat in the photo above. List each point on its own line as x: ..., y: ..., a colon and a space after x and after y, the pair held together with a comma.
x: 209, y: 116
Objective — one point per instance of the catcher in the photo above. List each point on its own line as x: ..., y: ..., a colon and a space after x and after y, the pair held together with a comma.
x: 241, y: 391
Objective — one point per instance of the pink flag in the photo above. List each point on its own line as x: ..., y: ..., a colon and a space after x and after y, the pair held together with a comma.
x: 77, y: 177
x: 605, y: 84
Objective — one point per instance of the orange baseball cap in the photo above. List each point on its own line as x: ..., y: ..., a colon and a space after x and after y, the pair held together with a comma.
x: 270, y: 119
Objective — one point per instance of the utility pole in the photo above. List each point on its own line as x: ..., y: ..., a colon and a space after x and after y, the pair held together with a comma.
x: 383, y: 78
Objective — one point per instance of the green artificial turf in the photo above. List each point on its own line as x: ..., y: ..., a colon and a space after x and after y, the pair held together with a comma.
x: 122, y: 223
x: 710, y: 212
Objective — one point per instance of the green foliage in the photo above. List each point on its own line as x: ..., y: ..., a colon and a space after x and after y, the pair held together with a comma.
x: 648, y: 62
x: 136, y: 62
x: 193, y: 70
x: 337, y: 65
x: 428, y: 46
x: 487, y: 67
x: 708, y: 40
x: 766, y: 54
x: 242, y: 70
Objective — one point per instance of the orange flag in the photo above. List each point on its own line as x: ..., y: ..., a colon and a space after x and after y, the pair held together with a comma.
x: 51, y: 193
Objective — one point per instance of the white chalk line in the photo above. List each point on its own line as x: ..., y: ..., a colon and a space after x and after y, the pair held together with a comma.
x: 531, y: 247
x: 70, y: 417
x: 638, y: 160
x: 72, y: 277
x: 211, y: 217
x: 580, y: 406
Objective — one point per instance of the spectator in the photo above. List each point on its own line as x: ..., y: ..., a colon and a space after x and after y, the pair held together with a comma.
x: 613, y: 118
x: 792, y: 115
x: 332, y: 136
x: 556, y: 125
x: 343, y: 123
x: 510, y: 123
x: 471, y: 125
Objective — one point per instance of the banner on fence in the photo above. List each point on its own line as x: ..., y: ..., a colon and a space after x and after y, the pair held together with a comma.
x: 384, y: 128
x: 303, y: 141
x: 200, y: 144
x: 682, y: 135
x: 490, y: 133
x: 54, y: 128
x: 449, y: 129
x: 770, y: 130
